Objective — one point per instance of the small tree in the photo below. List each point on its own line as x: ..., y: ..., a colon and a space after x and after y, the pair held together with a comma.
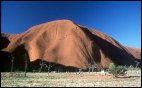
x: 137, y: 63
x: 80, y: 70
x: 49, y: 66
x: 44, y: 65
x: 116, y: 70
x: 92, y: 67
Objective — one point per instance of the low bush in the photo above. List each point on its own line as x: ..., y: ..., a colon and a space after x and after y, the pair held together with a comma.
x: 116, y: 70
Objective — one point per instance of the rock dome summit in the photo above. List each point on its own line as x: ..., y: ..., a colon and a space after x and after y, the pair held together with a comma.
x: 66, y: 43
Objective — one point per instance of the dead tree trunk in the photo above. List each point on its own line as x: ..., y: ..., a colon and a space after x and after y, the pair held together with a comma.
x: 80, y: 70
x: 89, y: 70
x: 92, y: 68
x: 26, y: 64
x: 12, y: 63
x: 41, y: 65
x: 76, y: 70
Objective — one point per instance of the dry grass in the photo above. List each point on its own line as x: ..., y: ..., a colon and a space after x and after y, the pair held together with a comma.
x: 68, y: 80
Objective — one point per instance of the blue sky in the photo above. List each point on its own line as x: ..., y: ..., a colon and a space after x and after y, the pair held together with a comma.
x: 118, y: 19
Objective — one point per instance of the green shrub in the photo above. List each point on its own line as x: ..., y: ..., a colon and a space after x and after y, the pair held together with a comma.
x: 116, y: 69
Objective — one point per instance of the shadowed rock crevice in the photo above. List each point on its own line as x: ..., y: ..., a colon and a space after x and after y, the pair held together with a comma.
x: 117, y: 55
x: 4, y: 42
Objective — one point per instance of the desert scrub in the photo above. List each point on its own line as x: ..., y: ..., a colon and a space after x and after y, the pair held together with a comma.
x: 116, y: 70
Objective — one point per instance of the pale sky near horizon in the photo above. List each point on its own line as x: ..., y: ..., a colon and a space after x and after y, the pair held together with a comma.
x: 118, y: 19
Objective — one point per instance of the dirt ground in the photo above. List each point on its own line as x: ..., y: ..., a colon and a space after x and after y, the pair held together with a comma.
x: 67, y: 80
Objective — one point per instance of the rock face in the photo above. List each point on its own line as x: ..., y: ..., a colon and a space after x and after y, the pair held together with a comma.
x: 66, y: 43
